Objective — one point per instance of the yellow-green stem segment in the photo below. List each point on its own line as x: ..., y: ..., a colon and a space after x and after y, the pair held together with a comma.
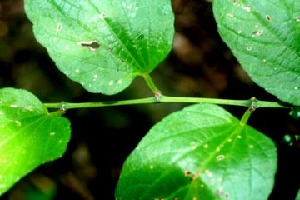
x: 165, y: 99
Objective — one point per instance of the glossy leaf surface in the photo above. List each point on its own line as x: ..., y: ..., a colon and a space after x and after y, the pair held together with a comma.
x: 201, y: 152
x: 103, y: 45
x: 265, y: 38
x: 29, y: 135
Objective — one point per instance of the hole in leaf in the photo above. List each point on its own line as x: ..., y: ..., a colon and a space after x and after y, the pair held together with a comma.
x: 92, y: 45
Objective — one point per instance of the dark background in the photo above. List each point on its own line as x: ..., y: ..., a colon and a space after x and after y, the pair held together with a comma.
x: 199, y: 65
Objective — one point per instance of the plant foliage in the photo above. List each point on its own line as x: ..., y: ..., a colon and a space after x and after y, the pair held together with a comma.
x: 265, y: 38
x: 29, y: 135
x: 200, y: 152
x: 103, y: 45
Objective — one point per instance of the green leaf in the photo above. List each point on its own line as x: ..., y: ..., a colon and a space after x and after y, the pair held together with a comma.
x: 295, y: 113
x: 201, y: 152
x: 103, y: 44
x: 29, y: 135
x: 265, y: 38
x: 298, y: 195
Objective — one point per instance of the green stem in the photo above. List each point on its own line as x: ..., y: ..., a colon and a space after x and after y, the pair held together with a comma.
x: 164, y: 99
x: 150, y: 83
x: 101, y: 104
x: 270, y: 104
x: 250, y: 110
x: 245, y: 117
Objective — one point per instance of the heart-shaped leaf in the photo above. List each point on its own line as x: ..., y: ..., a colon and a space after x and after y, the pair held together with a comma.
x: 265, y: 38
x: 29, y: 135
x: 103, y: 44
x: 201, y: 152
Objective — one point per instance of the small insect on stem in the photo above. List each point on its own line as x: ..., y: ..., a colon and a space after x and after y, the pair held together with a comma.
x: 91, y: 45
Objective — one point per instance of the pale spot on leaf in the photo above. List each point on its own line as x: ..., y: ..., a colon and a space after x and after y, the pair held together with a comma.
x: 230, y: 15
x: 110, y: 83
x: 52, y: 133
x: 220, y: 157
x: 120, y: 81
x: 246, y: 8
x: 18, y: 123
x: 257, y: 33
x: 208, y: 173
x: 102, y: 15
x: 95, y: 77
